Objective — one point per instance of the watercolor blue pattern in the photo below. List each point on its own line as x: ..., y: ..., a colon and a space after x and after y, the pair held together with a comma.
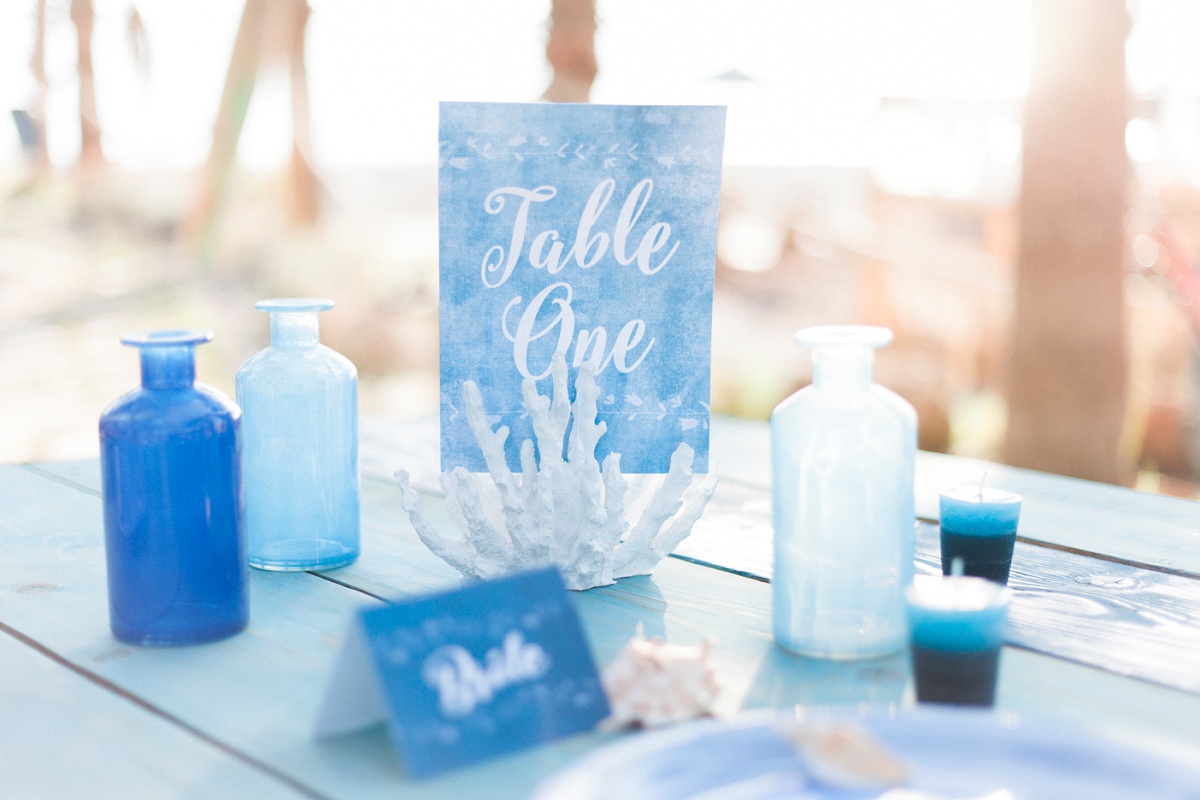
x: 589, y: 229
x: 488, y: 669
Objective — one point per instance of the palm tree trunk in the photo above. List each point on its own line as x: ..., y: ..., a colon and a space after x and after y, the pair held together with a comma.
x: 199, y: 225
x: 306, y: 205
x: 571, y: 50
x: 1069, y: 371
x: 37, y: 65
x: 91, y: 156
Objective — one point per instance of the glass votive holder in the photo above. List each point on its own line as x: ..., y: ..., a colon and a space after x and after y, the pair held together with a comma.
x: 979, y: 525
x: 957, y: 630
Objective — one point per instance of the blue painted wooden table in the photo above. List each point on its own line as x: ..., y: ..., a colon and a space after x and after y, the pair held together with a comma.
x: 1105, y: 633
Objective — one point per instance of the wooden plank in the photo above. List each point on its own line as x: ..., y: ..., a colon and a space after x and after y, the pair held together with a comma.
x: 257, y: 692
x: 83, y: 474
x: 687, y: 604
x: 64, y: 736
x: 1121, y: 523
x: 690, y: 612
x: 1040, y: 687
x: 1110, y: 615
x: 1065, y: 604
x: 1104, y: 613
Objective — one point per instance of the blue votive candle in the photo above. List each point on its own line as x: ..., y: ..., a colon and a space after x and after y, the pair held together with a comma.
x: 957, y: 629
x: 979, y: 525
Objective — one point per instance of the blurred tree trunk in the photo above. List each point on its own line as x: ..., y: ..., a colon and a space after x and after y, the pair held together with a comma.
x: 306, y: 205
x: 91, y: 156
x: 268, y: 28
x: 1069, y: 369
x: 37, y: 114
x: 571, y: 50
x: 198, y: 227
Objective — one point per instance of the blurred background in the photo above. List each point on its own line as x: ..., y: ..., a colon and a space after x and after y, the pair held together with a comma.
x: 1012, y: 186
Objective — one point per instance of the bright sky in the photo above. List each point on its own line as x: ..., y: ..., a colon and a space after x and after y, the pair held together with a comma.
x: 378, y: 68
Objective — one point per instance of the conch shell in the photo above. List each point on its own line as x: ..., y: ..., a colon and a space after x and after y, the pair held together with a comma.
x: 652, y: 683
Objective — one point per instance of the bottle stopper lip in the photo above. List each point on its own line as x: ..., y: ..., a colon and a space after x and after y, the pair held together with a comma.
x: 844, y: 335
x: 172, y: 337
x: 294, y: 304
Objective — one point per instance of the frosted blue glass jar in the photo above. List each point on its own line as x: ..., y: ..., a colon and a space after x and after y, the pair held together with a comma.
x: 174, y: 534
x: 843, y: 452
x: 300, y: 405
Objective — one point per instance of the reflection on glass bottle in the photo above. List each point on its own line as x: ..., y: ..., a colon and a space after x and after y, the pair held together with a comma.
x: 174, y: 529
x: 843, y: 452
x: 300, y: 401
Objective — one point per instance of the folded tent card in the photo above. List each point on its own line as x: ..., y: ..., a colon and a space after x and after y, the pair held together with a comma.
x: 467, y: 675
x: 577, y: 245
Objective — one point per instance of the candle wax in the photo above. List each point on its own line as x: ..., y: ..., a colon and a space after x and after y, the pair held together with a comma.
x: 972, y: 510
x: 957, y: 613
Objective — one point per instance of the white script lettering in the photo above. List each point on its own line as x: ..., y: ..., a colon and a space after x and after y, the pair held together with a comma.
x: 494, y: 259
x: 653, y: 240
x: 547, y: 252
x: 462, y: 683
x: 589, y: 346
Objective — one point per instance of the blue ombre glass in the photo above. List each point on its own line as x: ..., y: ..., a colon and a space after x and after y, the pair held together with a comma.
x: 174, y: 528
x: 300, y: 401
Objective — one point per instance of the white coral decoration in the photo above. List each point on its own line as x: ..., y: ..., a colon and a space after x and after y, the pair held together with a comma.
x: 651, y: 683
x: 570, y: 513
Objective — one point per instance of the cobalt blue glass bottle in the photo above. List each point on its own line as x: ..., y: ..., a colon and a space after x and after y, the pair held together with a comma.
x: 300, y: 401
x: 174, y: 528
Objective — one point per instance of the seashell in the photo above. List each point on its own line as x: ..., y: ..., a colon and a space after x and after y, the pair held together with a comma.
x: 845, y: 755
x: 571, y: 513
x: 652, y: 683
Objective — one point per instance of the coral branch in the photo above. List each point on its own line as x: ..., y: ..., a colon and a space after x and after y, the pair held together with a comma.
x: 665, y: 503
x: 675, y: 531
x: 568, y: 512
x: 455, y: 552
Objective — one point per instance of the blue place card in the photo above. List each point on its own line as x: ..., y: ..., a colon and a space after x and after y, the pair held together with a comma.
x: 469, y: 674
x: 588, y: 230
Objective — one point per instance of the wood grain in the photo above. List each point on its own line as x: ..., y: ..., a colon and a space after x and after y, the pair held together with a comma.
x: 257, y: 693
x: 1122, y: 619
x: 64, y: 736
x: 1163, y: 532
x: 1144, y: 623
x: 1107, y: 614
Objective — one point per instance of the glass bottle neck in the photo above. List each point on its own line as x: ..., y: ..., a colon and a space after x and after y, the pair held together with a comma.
x: 168, y: 367
x: 843, y: 368
x: 295, y: 329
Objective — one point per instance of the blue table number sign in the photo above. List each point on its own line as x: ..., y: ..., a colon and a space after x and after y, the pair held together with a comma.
x: 587, y: 230
x: 469, y: 674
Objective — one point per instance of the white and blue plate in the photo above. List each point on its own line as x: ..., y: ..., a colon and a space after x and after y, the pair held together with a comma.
x: 950, y: 754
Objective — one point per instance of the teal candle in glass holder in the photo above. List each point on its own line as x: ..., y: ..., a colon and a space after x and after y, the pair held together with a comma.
x: 979, y: 525
x: 299, y: 404
x: 957, y: 630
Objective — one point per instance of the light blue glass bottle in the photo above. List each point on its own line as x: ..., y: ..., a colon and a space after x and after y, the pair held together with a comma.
x: 174, y: 534
x: 299, y: 403
x: 843, y: 451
